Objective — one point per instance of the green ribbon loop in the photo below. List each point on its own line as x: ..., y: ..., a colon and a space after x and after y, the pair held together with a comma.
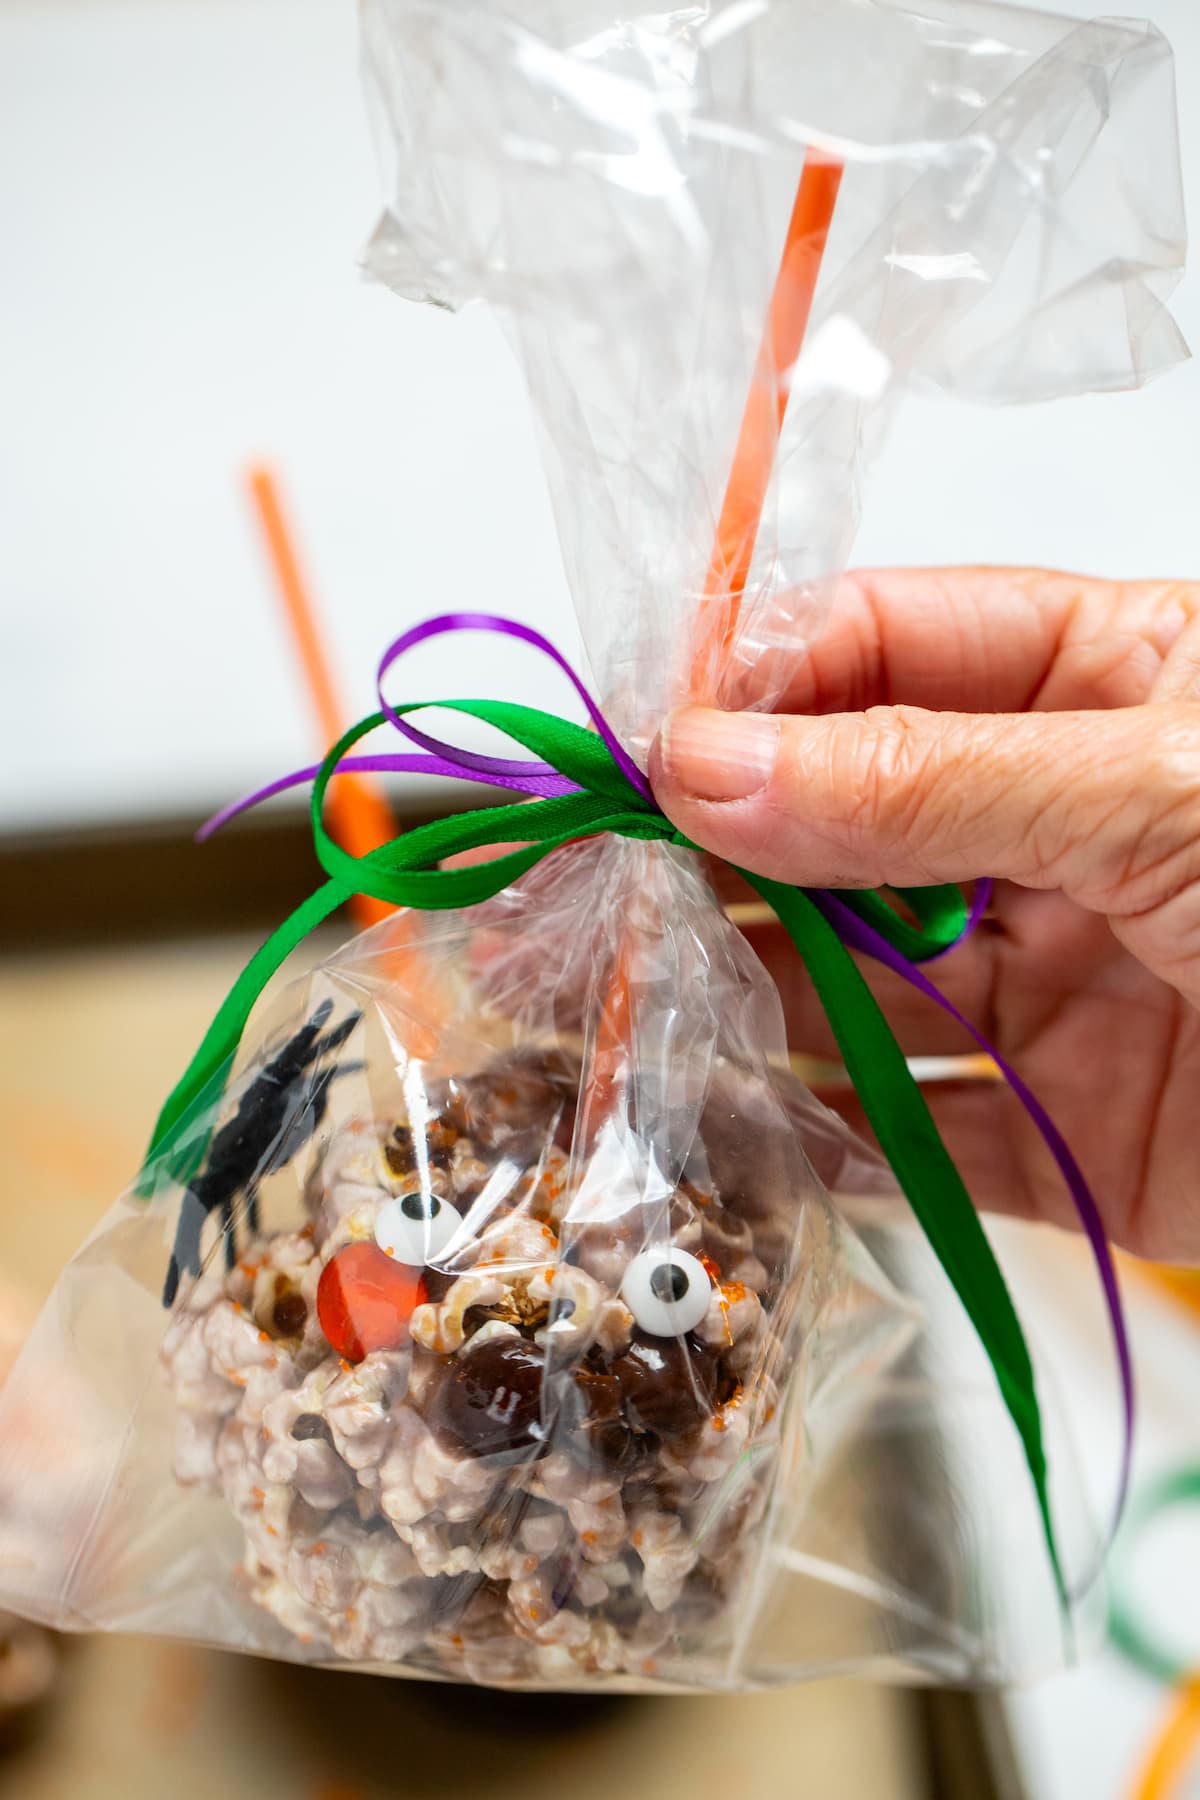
x: 406, y: 873
x: 941, y: 914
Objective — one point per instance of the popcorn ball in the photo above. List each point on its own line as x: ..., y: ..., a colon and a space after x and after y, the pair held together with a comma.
x: 452, y: 1428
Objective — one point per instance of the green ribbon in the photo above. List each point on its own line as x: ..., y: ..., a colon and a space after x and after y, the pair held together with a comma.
x: 406, y: 873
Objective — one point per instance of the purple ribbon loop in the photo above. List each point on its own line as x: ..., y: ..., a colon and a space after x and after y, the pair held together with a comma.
x: 493, y: 766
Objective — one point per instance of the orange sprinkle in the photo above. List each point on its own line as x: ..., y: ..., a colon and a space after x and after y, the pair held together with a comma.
x: 549, y: 1276
x: 304, y: 1637
x: 711, y: 1269
x: 530, y: 1564
x: 319, y: 1548
x: 636, y: 1540
x: 238, y: 1307
x: 271, y: 1531
x: 344, y: 1366
x: 723, y: 1303
x: 718, y: 1424
x: 589, y: 1537
x: 350, y: 1614
x: 535, y: 1612
x: 650, y: 1666
x: 456, y: 1640
x: 263, y: 1338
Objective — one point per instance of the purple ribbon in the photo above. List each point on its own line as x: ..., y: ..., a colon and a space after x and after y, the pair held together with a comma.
x: 538, y: 777
x: 856, y: 934
x: 543, y: 780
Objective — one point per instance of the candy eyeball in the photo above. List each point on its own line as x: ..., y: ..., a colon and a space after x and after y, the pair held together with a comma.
x: 667, y: 1291
x: 416, y: 1228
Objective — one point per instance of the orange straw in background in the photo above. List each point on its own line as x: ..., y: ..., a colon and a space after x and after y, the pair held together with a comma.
x: 361, y: 818
x: 740, y: 519
x: 1173, y: 1752
x: 1183, y: 1285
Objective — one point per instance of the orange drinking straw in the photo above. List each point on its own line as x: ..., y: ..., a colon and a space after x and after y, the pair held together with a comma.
x: 1174, y: 1749
x: 1183, y: 1285
x: 361, y: 818
x: 741, y: 514
x: 766, y: 407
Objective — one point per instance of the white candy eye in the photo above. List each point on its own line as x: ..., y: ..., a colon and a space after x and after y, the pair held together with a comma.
x: 667, y: 1291
x: 415, y: 1228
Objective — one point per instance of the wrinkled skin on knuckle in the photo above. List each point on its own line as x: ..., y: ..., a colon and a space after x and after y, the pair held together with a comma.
x: 881, y: 773
x: 1072, y: 811
x: 1153, y: 822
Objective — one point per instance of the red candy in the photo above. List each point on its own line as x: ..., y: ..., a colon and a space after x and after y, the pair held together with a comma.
x: 365, y: 1300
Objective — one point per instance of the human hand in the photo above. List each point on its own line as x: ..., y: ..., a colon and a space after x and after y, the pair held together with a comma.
x: 1043, y: 729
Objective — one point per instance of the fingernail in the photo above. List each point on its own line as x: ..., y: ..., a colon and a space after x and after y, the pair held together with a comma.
x: 710, y: 755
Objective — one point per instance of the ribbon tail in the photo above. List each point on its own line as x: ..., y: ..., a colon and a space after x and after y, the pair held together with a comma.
x: 203, y: 1081
x: 927, y: 1175
x: 861, y: 937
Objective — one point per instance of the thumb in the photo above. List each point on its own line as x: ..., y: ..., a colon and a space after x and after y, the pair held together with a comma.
x: 1102, y: 805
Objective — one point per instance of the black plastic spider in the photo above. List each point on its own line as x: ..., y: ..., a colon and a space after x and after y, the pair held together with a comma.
x: 278, y: 1114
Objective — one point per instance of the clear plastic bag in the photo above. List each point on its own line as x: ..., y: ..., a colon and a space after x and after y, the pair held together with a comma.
x: 543, y: 1466
x: 528, y: 1321
x: 617, y: 184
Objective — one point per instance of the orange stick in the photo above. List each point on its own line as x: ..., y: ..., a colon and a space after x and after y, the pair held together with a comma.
x: 1174, y: 1749
x: 1183, y: 1285
x: 766, y: 406
x: 360, y: 816
x: 738, y: 525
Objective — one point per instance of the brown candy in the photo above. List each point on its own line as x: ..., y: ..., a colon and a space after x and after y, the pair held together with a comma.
x: 667, y: 1385
x: 490, y: 1402
x: 437, y: 1283
x: 601, y: 1433
x: 661, y: 1388
x: 401, y: 1154
x: 289, y: 1315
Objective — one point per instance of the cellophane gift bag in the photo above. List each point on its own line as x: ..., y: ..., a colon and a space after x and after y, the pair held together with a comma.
x: 512, y: 1313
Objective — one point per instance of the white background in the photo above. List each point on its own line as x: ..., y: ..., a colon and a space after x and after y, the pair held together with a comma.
x: 184, y: 188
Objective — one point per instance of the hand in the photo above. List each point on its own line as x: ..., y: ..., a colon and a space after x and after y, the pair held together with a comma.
x: 1043, y: 729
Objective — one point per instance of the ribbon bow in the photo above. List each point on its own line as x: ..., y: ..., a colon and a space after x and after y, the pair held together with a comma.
x: 584, y: 783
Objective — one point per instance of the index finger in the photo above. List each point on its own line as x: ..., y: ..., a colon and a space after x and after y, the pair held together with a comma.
x: 983, y: 640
